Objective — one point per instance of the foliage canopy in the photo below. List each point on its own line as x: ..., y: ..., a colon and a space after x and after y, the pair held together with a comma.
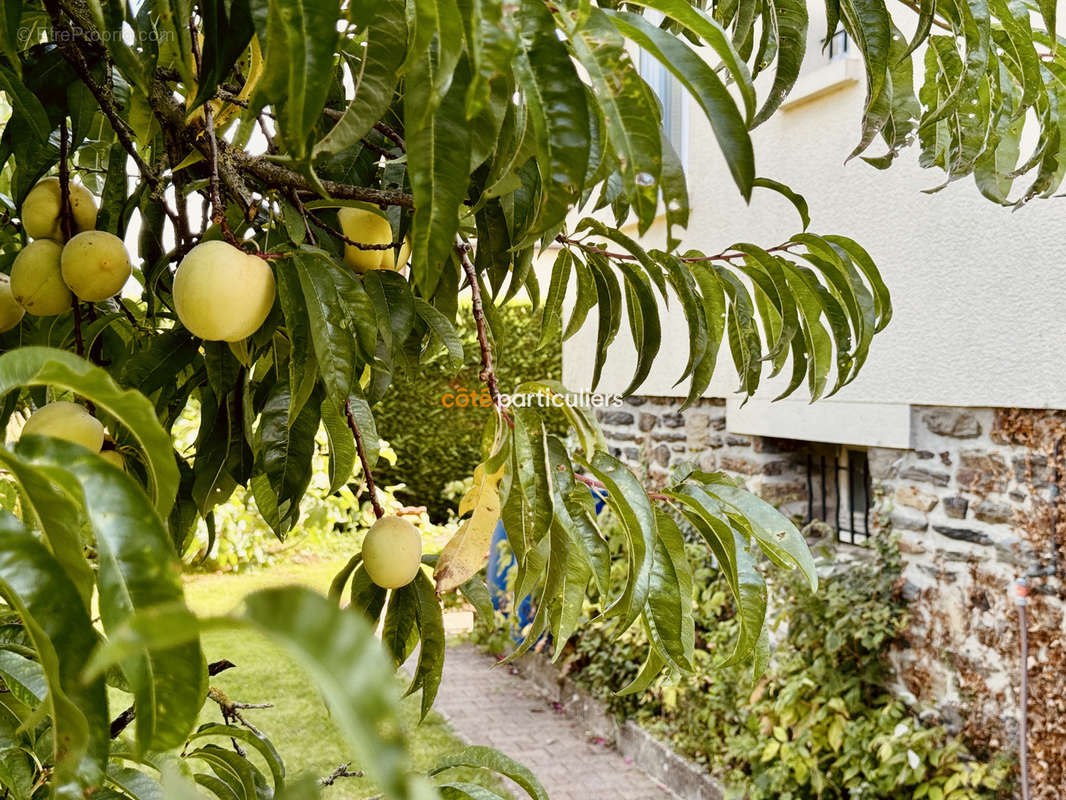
x: 476, y: 129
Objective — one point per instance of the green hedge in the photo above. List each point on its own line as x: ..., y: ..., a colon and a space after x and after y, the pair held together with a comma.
x: 436, y: 445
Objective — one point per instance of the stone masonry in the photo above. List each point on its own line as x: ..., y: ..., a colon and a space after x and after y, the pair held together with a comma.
x: 972, y: 505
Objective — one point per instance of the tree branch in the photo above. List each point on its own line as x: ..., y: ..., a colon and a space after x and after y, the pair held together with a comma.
x: 73, y: 49
x: 725, y: 255
x: 368, y: 476
x: 488, y: 371
x: 340, y: 772
x: 66, y: 221
x: 218, y: 211
x: 336, y: 234
x: 122, y: 721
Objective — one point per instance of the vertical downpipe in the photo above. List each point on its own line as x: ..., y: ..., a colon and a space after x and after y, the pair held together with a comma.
x: 1021, y: 595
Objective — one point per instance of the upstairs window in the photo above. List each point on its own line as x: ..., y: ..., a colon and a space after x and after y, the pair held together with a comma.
x: 671, y: 96
x: 839, y: 46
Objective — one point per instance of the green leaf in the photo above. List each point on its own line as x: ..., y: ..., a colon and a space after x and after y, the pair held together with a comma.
x: 374, y: 72
x: 138, y: 568
x: 558, y: 114
x: 343, y: 332
x: 10, y: 35
x: 58, y: 625
x: 26, y: 104
x: 634, y: 510
x: 551, y: 318
x: 492, y: 38
x: 711, y: 33
x: 342, y: 452
x: 669, y: 616
x: 495, y: 761
x: 775, y: 534
x: 430, y: 621
x: 301, y: 36
x: 869, y: 25
x: 438, y: 154
x: 797, y: 200
x: 285, y: 447
x: 629, y: 109
x: 367, y: 598
x: 789, y: 19
x: 227, y: 29
x: 706, y: 88
x: 24, y: 678
x: 442, y: 329
x: 302, y: 367
x: 263, y: 745
x: 393, y: 304
x: 337, y: 649
x: 43, y: 366
x: 608, y: 310
x: 46, y: 506
x: 585, y: 300
x: 438, y: 20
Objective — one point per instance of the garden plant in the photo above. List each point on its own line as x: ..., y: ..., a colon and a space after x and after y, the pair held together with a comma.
x: 308, y: 189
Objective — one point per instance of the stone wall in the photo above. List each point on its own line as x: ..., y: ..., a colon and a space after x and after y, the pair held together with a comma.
x: 971, y: 502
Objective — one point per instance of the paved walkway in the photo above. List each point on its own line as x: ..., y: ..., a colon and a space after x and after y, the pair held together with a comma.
x: 488, y: 704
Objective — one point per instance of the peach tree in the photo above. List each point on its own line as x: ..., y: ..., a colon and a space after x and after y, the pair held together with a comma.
x: 310, y: 191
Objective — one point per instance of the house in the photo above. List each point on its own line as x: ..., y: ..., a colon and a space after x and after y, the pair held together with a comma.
x: 953, y: 435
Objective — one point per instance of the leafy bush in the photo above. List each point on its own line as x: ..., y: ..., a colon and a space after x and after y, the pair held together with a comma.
x: 821, y: 722
x: 436, y: 444
x: 331, y: 523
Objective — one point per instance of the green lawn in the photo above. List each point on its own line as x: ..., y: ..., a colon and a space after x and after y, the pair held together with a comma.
x: 299, y: 724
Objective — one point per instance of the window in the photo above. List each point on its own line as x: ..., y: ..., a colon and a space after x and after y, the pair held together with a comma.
x: 671, y: 100
x: 838, y: 492
x: 839, y: 45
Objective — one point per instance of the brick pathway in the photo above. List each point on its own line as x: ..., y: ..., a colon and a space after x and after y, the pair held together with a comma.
x: 490, y: 705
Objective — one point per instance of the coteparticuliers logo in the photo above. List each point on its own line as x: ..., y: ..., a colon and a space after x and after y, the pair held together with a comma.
x: 480, y: 398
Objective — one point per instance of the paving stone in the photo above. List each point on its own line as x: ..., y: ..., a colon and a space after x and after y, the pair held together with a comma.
x: 488, y: 704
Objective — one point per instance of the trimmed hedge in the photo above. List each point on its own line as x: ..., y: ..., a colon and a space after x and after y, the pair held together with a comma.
x: 435, y: 444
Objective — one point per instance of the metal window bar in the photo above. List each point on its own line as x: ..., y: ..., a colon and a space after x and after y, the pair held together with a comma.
x: 856, y: 482
x: 838, y: 45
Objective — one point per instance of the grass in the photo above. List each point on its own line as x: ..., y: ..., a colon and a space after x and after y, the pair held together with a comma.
x: 299, y: 724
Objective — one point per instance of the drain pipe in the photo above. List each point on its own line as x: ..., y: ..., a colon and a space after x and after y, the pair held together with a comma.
x: 1021, y: 599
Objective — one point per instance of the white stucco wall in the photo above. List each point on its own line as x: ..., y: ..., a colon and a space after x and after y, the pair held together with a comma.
x: 979, y: 291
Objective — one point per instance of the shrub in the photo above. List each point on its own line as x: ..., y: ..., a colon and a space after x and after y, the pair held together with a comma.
x: 821, y: 723
x: 436, y: 445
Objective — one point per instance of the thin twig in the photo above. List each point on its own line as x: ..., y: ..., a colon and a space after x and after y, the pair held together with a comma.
x: 218, y: 211
x: 595, y: 484
x: 725, y: 255
x: 336, y: 234
x: 488, y: 372
x: 66, y: 221
x: 231, y: 711
x: 914, y: 7
x: 340, y: 772
x: 368, y: 476
x: 383, y: 128
x: 72, y: 49
x: 122, y: 721
x: 381, y: 151
x: 305, y: 216
x: 389, y: 133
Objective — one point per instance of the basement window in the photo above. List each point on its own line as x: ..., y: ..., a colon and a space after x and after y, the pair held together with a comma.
x: 838, y: 493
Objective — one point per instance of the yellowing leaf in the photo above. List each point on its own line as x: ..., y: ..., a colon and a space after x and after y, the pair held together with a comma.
x: 836, y: 734
x: 467, y: 550
x: 770, y: 750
